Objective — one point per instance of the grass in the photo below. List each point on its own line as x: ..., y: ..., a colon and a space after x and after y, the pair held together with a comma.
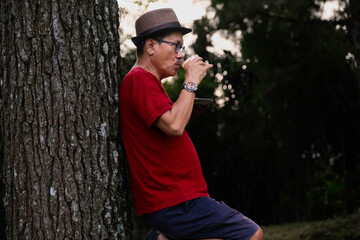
x: 342, y: 228
x: 292, y: 231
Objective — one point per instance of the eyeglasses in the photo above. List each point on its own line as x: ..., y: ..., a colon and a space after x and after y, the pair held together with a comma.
x: 178, y: 47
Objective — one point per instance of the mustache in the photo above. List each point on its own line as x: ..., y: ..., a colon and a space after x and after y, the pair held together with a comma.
x: 180, y: 61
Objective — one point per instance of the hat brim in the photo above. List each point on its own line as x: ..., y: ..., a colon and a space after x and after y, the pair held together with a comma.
x: 142, y: 37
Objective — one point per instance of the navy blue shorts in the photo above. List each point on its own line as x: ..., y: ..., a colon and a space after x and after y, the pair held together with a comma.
x: 202, y: 218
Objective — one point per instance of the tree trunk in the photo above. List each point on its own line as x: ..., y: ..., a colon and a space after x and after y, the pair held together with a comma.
x: 59, y: 74
x: 355, y: 21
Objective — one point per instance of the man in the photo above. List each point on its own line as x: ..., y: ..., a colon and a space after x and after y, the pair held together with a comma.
x: 165, y: 172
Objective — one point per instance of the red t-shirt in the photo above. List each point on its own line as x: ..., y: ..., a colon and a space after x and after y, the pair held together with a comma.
x: 164, y: 170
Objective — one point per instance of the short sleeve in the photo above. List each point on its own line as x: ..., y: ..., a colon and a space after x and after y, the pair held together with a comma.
x: 148, y: 98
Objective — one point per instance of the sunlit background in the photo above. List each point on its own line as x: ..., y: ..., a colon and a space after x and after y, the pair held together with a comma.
x: 187, y: 11
x: 278, y: 142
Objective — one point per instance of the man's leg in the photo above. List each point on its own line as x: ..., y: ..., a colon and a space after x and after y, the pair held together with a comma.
x: 163, y: 237
x: 258, y: 235
x: 204, y: 218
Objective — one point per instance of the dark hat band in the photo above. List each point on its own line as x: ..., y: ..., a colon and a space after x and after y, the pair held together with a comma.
x: 160, y: 27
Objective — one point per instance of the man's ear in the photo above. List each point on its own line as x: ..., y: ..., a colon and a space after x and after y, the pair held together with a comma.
x: 150, y: 46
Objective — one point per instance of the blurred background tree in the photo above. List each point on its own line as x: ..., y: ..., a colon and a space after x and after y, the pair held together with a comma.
x: 281, y: 142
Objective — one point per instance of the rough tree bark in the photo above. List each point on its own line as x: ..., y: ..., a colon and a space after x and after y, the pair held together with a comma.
x: 59, y: 75
x: 355, y: 29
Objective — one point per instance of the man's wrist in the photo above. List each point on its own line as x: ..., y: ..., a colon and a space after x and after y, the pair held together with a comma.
x: 190, y: 86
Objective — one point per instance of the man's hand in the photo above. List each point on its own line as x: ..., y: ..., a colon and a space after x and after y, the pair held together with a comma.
x: 195, y: 69
x: 174, y: 121
x: 161, y: 236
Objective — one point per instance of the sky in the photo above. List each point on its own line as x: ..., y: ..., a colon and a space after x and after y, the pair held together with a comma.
x: 187, y: 11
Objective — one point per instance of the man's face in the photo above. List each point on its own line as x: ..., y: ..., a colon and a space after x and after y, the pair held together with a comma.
x: 165, y: 59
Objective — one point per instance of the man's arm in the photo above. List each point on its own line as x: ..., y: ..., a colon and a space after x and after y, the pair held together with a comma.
x: 174, y: 121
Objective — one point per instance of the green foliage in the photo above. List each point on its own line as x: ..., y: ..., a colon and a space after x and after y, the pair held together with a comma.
x: 146, y: 4
x: 287, y: 125
x: 127, y: 62
x: 341, y: 228
x: 282, y: 141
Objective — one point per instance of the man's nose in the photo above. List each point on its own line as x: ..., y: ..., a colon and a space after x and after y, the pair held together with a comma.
x: 180, y: 54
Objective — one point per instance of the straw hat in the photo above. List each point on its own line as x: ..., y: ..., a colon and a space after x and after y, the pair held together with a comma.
x: 157, y: 21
